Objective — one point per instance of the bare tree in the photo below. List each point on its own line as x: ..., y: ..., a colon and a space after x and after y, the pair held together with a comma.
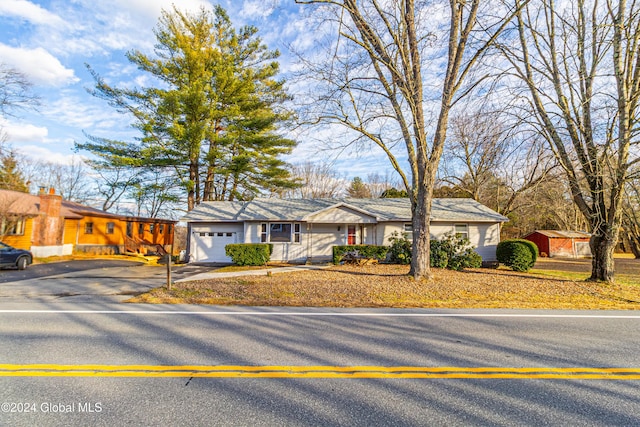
x: 375, y: 83
x: 15, y: 91
x: 580, y: 64
x: 113, y: 182
x: 316, y: 180
x: 71, y: 181
x: 379, y: 183
x: 154, y: 194
x: 631, y: 218
x: 493, y: 162
x: 477, y: 146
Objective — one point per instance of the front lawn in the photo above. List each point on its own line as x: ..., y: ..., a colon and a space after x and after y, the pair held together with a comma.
x: 389, y: 286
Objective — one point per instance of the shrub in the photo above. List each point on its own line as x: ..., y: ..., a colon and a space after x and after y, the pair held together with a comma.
x: 516, y: 254
x: 400, y: 250
x: 454, y: 252
x: 366, y: 251
x: 439, y: 255
x: 533, y: 248
x: 249, y: 253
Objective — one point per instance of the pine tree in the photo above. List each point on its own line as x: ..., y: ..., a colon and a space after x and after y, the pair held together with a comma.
x: 11, y: 178
x: 213, y: 120
x: 358, y: 189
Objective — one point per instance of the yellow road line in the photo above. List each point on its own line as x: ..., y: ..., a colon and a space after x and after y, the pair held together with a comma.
x: 356, y: 372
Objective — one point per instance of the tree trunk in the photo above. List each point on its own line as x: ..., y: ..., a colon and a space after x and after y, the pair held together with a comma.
x: 194, y: 187
x: 603, y: 243
x: 633, y: 245
x: 421, y: 253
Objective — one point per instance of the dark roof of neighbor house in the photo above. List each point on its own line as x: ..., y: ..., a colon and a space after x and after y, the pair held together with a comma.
x: 82, y: 210
x: 561, y: 234
x: 271, y: 209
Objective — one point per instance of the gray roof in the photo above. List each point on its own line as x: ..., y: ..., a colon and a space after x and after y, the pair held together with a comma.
x: 261, y: 209
x: 562, y: 234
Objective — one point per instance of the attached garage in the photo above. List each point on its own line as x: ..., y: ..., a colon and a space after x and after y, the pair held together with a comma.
x: 207, y: 242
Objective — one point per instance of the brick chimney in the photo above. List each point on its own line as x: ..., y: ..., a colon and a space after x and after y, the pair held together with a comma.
x: 48, y: 230
x: 51, y: 203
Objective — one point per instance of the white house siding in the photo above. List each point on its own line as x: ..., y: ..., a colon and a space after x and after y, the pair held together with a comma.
x: 323, y: 237
x: 484, y: 236
x: 386, y: 229
x: 288, y: 252
x: 340, y: 215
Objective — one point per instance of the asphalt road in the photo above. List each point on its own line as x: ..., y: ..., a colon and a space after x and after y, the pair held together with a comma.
x: 282, y: 366
x: 72, y: 354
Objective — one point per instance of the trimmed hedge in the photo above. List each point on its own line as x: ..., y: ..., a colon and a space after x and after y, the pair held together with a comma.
x: 249, y: 253
x: 519, y: 254
x: 366, y: 251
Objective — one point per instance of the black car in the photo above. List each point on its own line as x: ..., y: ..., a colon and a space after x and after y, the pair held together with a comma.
x: 12, y: 257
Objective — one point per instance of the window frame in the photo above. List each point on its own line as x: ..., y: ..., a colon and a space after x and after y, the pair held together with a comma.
x: 267, y: 228
x: 13, y: 227
x: 280, y: 228
x: 88, y: 227
x: 463, y: 234
x: 110, y: 228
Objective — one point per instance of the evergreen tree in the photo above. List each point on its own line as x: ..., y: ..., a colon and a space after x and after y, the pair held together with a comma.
x: 11, y: 177
x: 213, y: 119
x: 358, y: 189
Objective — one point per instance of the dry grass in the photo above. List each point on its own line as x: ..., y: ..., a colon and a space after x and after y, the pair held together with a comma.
x: 389, y: 286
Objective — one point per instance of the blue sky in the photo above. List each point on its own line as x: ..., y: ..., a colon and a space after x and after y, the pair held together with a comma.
x: 51, y: 41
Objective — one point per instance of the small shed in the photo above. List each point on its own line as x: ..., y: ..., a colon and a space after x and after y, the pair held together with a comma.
x: 560, y: 243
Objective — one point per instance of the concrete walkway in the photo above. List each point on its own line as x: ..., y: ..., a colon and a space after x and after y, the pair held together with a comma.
x: 262, y: 272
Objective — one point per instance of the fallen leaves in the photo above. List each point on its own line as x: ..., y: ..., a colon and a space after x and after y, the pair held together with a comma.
x: 386, y: 285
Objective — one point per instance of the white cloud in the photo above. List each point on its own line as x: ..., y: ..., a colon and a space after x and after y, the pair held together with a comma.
x: 30, y: 12
x: 257, y: 9
x: 20, y: 133
x: 40, y: 153
x: 150, y: 9
x: 38, y: 65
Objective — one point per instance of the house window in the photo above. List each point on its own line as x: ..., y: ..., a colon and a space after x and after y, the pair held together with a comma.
x: 263, y: 233
x: 407, y: 230
x: 296, y: 233
x: 12, y: 226
x: 161, y: 229
x: 110, y: 227
x: 152, y: 227
x: 280, y: 233
x: 141, y: 229
x: 129, y: 229
x: 461, y: 230
x: 88, y: 228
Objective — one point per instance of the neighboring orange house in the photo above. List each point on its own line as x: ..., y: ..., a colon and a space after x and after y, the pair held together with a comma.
x: 49, y: 226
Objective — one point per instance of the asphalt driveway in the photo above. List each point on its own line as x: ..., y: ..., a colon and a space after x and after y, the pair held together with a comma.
x: 88, y: 280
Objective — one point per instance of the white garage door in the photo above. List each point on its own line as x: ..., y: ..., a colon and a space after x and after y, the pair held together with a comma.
x: 209, y: 246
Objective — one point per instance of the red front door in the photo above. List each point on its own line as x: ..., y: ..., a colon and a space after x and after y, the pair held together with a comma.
x: 351, y: 235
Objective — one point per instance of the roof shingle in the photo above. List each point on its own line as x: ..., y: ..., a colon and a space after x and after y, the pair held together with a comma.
x: 263, y: 209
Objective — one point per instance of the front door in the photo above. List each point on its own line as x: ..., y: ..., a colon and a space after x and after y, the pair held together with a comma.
x: 351, y: 235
